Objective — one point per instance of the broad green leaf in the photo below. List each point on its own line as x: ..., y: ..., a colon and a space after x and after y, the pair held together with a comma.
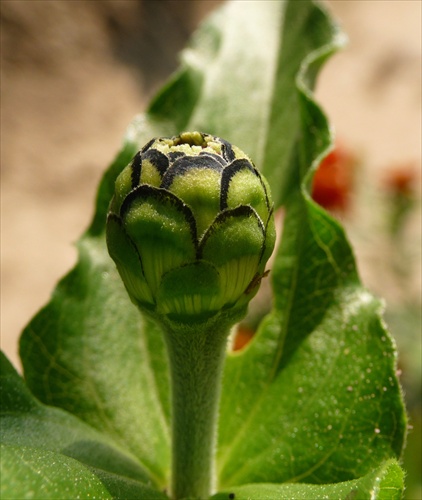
x: 88, y: 353
x: 49, y: 453
x: 315, y: 397
x: 37, y: 473
x: 384, y: 483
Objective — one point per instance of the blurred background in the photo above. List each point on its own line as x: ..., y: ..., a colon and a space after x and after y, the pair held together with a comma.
x: 73, y: 75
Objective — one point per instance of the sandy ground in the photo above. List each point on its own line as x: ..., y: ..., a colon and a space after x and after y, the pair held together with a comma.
x: 71, y: 83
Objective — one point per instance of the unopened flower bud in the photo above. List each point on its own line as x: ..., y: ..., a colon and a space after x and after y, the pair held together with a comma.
x: 191, y: 227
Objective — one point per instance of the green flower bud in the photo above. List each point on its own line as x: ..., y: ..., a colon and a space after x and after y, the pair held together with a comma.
x: 191, y: 227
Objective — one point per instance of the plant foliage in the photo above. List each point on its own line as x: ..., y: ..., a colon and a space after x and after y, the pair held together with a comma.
x: 312, y: 407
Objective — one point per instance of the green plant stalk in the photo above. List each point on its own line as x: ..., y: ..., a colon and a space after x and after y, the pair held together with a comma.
x: 196, y: 355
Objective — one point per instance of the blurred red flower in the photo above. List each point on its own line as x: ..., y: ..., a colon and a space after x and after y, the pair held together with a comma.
x: 334, y: 180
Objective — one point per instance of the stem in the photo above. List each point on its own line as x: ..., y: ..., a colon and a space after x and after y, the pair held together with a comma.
x: 196, y: 363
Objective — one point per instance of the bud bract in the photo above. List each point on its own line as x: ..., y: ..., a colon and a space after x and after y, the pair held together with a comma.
x: 191, y: 227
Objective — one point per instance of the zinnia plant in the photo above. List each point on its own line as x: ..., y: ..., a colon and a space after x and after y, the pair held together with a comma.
x: 191, y: 228
x: 130, y: 389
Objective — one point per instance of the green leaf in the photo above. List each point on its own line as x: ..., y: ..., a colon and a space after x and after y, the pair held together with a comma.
x: 88, y: 352
x: 385, y: 482
x: 49, y: 453
x: 296, y: 404
x: 315, y: 397
x: 36, y: 473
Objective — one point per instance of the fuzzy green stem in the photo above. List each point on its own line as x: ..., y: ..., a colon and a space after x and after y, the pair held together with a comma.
x: 196, y: 363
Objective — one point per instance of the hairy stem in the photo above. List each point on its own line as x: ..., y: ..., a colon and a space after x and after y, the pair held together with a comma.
x: 196, y: 363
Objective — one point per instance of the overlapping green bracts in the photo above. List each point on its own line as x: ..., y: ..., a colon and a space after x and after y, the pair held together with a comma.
x: 191, y: 227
